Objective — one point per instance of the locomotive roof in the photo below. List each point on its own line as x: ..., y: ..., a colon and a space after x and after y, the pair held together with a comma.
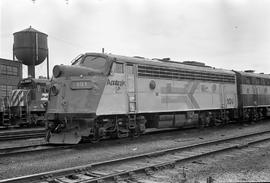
x: 170, y: 64
x: 257, y: 75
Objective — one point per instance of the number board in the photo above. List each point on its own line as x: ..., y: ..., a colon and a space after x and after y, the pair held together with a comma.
x: 26, y: 81
x: 80, y: 85
x: 230, y: 101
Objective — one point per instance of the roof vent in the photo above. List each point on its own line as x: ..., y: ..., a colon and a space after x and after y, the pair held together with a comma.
x: 139, y: 57
x: 162, y: 59
x: 250, y: 71
x: 42, y: 77
x: 166, y: 59
x: 194, y: 63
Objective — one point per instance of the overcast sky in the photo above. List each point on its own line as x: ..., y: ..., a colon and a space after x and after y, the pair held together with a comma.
x: 231, y: 34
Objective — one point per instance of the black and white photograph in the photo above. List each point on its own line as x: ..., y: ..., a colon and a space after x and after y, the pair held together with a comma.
x: 134, y: 91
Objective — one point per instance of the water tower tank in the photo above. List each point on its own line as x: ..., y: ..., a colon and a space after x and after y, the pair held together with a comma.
x: 31, y: 47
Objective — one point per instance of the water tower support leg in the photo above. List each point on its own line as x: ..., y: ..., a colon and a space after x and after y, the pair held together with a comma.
x: 48, y: 75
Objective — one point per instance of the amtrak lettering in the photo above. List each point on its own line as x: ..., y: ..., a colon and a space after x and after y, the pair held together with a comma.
x: 115, y: 83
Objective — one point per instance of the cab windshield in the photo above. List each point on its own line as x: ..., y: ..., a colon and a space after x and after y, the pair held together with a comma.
x: 26, y: 85
x: 77, y: 60
x: 94, y: 62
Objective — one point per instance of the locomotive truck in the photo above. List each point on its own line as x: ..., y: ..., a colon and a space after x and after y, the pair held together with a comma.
x: 106, y: 96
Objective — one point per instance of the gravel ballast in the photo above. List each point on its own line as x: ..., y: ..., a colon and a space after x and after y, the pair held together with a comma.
x: 250, y: 164
x: 25, y: 164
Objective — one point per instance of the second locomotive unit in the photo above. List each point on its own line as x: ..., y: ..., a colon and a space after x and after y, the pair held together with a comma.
x: 28, y: 103
x: 104, y: 95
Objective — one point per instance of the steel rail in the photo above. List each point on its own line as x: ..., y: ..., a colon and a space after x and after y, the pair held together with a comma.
x: 88, y: 173
x: 15, y: 135
x: 20, y: 131
x: 21, y: 136
x: 4, y: 152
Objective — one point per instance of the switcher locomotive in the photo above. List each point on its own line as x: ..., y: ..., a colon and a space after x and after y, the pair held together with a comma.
x: 28, y: 103
x: 107, y: 96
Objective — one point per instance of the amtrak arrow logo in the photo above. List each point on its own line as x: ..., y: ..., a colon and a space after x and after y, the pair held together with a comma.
x: 186, y: 96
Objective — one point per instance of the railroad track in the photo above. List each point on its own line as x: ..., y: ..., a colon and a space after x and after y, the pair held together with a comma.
x: 16, y: 150
x: 30, y: 149
x: 25, y: 134
x: 126, y: 168
x: 22, y: 134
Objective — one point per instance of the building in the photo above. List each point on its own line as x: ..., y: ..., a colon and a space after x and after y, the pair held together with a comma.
x: 10, y: 75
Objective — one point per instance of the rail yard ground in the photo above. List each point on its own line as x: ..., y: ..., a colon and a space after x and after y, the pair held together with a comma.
x: 250, y: 164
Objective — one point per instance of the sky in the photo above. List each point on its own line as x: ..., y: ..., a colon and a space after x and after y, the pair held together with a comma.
x: 229, y: 34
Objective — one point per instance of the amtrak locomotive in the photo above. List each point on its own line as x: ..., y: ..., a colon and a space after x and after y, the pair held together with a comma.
x: 103, y: 95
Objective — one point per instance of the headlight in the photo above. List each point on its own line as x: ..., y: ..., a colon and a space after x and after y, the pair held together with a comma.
x: 54, y: 90
x: 57, y: 71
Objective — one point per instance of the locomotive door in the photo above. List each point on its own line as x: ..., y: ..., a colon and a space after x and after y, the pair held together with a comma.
x: 223, y: 96
x: 131, y: 88
x: 255, y: 95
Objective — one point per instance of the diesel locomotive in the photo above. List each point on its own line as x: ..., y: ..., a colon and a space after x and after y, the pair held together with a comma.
x: 27, y: 104
x: 110, y: 96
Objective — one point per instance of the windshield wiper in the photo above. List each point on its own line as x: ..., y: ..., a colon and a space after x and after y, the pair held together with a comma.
x: 76, y: 59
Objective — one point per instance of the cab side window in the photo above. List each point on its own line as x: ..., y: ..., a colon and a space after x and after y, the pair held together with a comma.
x: 258, y: 81
x: 267, y: 82
x: 118, y: 67
x: 38, y: 88
x: 247, y: 80
x: 253, y: 81
x: 130, y: 69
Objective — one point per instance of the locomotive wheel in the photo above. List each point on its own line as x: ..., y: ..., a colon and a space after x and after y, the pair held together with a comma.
x: 134, y: 133
x: 96, y: 137
x: 94, y: 140
x: 122, y: 134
